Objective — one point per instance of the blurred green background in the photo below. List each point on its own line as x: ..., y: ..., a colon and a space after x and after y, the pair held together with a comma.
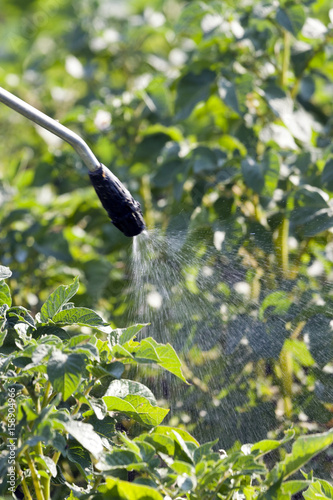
x: 218, y: 117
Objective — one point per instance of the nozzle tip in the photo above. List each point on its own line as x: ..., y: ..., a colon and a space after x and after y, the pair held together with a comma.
x: 124, y: 212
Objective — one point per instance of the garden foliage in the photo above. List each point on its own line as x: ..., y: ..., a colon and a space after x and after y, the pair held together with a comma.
x: 75, y: 413
x: 218, y: 116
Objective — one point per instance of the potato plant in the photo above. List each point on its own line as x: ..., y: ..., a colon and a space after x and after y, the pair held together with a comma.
x: 219, y: 118
x: 73, y: 426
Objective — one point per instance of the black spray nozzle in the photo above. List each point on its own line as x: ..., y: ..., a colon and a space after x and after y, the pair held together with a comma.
x: 124, y: 212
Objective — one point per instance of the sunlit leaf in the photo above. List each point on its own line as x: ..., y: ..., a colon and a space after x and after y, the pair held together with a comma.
x: 137, y: 407
x: 5, y: 296
x: 5, y: 272
x: 123, y: 490
x: 64, y: 371
x: 57, y: 299
x: 79, y: 316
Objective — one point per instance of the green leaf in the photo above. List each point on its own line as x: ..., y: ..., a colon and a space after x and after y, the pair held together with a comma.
x: 49, y: 464
x: 22, y: 314
x: 122, y: 335
x: 58, y: 299
x: 121, y: 459
x: 267, y: 445
x: 123, y: 490
x: 104, y: 427
x: 293, y: 487
x: 64, y: 371
x: 116, y: 369
x: 163, y: 355
x: 262, y: 177
x: 319, y: 490
x: 203, y: 450
x: 118, y: 351
x: 80, y: 339
x: 323, y: 385
x: 97, y: 405
x: 168, y: 172
x: 83, y: 433
x: 300, y: 351
x: 301, y: 55
x: 304, y: 448
x: 5, y: 296
x: 123, y: 388
x: 79, y: 455
x: 311, y: 210
x: 291, y: 18
x: 234, y: 94
x: 320, y: 331
x: 169, y: 431
x: 48, y: 330
x: 79, y: 316
x: 89, y: 351
x: 204, y: 160
x: 137, y: 407
x: 279, y: 301
x: 327, y: 175
x: 5, y: 272
x: 192, y: 89
x: 278, y: 101
x: 253, y: 175
x: 279, y: 135
x: 313, y: 28
x: 182, y: 449
x: 174, y: 132
x: 321, y: 221
x: 161, y: 443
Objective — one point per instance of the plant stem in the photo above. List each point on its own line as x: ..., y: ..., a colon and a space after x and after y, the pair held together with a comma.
x: 97, y: 481
x: 46, y: 483
x: 34, y: 477
x: 286, y: 58
x: 147, y: 199
x: 256, y: 286
x: 27, y: 495
x: 56, y: 456
x: 298, y: 330
x: 46, y: 394
x: 286, y: 364
x: 282, y: 247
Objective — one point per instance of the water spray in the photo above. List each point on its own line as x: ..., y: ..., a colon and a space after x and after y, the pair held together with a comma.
x: 124, y: 212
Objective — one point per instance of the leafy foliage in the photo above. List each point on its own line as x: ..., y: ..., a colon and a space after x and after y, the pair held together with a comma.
x: 77, y: 417
x: 218, y: 117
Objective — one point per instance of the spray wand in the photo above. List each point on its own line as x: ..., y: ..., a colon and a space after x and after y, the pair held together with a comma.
x: 124, y: 212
